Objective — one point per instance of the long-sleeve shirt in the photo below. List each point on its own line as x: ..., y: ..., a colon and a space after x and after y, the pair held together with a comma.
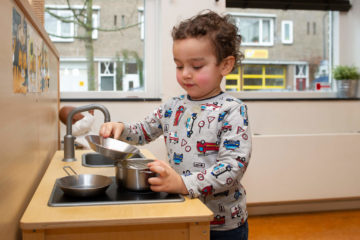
x: 209, y: 144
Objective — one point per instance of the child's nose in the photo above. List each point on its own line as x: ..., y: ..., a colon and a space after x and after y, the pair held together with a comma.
x: 186, y: 73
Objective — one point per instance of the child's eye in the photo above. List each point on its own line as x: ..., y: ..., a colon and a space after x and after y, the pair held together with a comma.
x: 197, y: 67
x: 179, y: 67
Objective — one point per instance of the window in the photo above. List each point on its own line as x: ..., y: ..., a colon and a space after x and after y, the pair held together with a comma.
x: 287, y: 32
x: 301, y: 77
x: 257, y: 77
x: 95, y: 24
x: 276, y: 62
x: 255, y: 30
x: 74, y: 76
x: 59, y: 31
x: 107, y: 76
x: 125, y: 53
x: 60, y: 23
x: 142, y: 23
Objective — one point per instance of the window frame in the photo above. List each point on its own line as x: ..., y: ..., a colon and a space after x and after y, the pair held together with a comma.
x: 107, y: 75
x: 283, y: 32
x: 96, y: 24
x: 261, y: 18
x: 58, y: 26
x: 263, y: 77
x: 152, y: 68
x: 305, y: 75
x: 64, y: 8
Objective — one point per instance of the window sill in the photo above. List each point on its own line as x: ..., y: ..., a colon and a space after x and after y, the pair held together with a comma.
x: 110, y: 99
x: 288, y: 96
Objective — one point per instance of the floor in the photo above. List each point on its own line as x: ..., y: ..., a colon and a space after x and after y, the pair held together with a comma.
x: 308, y: 226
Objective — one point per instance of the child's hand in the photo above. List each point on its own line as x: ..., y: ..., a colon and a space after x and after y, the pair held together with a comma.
x: 111, y: 129
x: 167, y: 180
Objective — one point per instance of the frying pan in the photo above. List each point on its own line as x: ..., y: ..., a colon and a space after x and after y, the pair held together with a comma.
x: 83, y: 185
x: 112, y: 148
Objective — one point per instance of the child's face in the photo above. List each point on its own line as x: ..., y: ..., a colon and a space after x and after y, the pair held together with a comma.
x: 197, y: 70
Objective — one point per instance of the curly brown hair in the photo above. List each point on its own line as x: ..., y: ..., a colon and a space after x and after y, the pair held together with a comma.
x: 219, y: 29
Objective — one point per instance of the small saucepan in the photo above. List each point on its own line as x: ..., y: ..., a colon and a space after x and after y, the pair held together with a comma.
x: 83, y: 185
x: 133, y: 174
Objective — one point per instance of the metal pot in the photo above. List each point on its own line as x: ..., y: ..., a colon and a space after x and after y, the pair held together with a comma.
x: 83, y: 185
x: 133, y: 174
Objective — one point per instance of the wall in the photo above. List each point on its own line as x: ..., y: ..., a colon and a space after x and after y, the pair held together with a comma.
x: 349, y: 36
x: 311, y: 159
x: 28, y: 129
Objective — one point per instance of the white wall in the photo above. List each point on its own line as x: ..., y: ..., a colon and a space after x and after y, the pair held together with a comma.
x: 349, y: 36
x: 304, y: 150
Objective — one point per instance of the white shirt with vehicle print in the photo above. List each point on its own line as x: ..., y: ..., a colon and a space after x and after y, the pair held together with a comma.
x: 209, y: 144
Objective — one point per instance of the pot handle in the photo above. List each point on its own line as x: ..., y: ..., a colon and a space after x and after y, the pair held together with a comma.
x: 147, y: 171
x: 65, y: 167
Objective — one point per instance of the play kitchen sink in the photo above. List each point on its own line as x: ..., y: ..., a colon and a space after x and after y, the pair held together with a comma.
x: 99, y: 160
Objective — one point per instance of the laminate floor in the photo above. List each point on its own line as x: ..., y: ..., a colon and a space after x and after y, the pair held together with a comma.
x: 337, y: 225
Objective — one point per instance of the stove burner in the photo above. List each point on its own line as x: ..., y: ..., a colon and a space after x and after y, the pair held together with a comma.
x: 112, y: 196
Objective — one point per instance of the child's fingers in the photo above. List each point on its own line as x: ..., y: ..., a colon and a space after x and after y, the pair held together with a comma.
x: 116, y: 133
x: 155, y: 181
x: 156, y: 162
x: 108, y: 130
x: 105, y: 130
x: 159, y: 170
x: 102, y: 131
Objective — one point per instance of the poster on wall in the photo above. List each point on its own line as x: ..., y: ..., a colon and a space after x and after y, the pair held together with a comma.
x: 30, y: 58
x: 44, y: 79
x: 34, y: 50
x: 19, y: 47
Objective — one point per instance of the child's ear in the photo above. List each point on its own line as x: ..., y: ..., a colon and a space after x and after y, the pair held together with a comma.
x: 227, y: 65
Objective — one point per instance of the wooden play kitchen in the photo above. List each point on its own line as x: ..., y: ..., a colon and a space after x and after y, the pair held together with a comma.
x: 183, y: 219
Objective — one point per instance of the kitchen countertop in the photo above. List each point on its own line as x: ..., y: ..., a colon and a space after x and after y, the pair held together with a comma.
x: 39, y: 215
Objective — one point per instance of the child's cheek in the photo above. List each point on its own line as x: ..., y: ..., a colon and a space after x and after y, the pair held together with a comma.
x: 203, y: 79
x: 178, y: 77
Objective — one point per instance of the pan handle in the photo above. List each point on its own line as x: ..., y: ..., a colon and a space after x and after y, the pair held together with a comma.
x: 65, y: 167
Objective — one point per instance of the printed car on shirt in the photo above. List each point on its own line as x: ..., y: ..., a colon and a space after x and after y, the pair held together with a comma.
x: 226, y: 127
x: 236, y: 211
x: 220, y: 169
x: 203, y: 146
x: 231, y: 144
x: 243, y: 112
x: 222, y: 116
x: 210, y: 106
x: 241, y: 162
x: 218, y: 220
x: 173, y: 137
